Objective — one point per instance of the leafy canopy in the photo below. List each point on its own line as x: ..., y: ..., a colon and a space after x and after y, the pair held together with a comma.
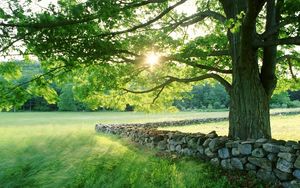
x: 101, y: 46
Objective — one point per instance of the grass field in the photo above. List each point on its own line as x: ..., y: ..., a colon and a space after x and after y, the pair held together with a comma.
x: 283, y: 127
x: 62, y: 150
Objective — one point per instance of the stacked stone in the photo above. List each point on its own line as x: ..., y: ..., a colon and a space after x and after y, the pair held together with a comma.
x: 171, y: 123
x: 270, y: 160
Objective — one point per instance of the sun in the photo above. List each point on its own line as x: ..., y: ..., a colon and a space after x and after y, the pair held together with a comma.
x: 152, y: 59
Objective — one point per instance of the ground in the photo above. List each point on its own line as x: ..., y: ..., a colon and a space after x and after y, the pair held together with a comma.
x: 62, y: 150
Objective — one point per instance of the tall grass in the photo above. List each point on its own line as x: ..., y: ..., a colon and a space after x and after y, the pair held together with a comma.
x: 84, y: 159
x: 62, y: 150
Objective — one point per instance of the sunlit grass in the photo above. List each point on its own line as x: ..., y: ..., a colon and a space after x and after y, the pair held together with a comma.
x: 63, y: 150
x: 283, y: 127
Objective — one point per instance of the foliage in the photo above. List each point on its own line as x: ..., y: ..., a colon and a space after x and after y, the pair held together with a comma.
x: 294, y: 95
x: 102, y: 45
x: 204, y: 96
x: 66, y: 99
x: 283, y: 99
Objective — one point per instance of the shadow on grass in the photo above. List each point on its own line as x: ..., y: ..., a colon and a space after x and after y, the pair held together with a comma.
x: 96, y: 160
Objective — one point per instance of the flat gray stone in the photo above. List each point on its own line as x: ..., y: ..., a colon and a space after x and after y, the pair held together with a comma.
x: 229, y: 144
x: 283, y: 176
x: 171, y: 147
x: 178, y: 148
x: 261, y: 140
x: 297, y: 163
x: 215, y: 161
x: 295, y: 184
x: 187, y: 151
x: 245, y: 149
x: 287, y: 149
x: 296, y: 173
x: 215, y: 144
x: 236, y: 143
x: 296, y: 146
x: 237, y: 164
x: 290, y: 143
x: 192, y: 143
x: 251, y: 141
x: 284, y: 165
x: 209, y: 153
x: 272, y: 157
x: 162, y: 145
x: 235, y: 152
x: 244, y: 160
x: 212, y: 134
x: 200, y: 140
x: 258, y: 152
x: 225, y: 163
x: 265, y: 175
x: 250, y: 166
x: 206, y: 142
x: 272, y: 148
x: 287, y: 156
x: 223, y: 153
x: 200, y: 149
x: 261, y: 162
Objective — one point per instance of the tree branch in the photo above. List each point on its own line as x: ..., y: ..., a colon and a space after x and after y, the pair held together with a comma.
x: 171, y: 79
x: 291, y: 70
x: 158, y: 94
x: 202, y: 15
x: 288, y: 57
x: 194, y: 64
x: 50, y: 25
x: 139, y: 4
x: 38, y: 77
x: 283, y: 41
x: 149, y: 22
x: 197, y: 17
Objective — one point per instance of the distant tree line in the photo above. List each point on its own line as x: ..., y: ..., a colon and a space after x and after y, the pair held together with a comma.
x: 210, y: 96
x: 201, y: 97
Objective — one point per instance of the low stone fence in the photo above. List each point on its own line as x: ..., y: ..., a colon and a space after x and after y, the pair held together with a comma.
x: 171, y: 123
x: 190, y: 121
x: 273, y: 161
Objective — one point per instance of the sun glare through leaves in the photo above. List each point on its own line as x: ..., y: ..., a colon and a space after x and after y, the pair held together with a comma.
x: 152, y: 59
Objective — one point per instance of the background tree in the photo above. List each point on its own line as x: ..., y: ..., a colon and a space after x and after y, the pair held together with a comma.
x: 203, y: 97
x: 104, y: 45
x: 66, y: 100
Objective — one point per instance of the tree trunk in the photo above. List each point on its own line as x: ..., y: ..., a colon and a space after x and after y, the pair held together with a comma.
x: 249, y: 115
x: 249, y: 107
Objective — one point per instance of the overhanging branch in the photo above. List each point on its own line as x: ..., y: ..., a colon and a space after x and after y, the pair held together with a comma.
x: 202, y: 15
x: 73, y: 21
x: 149, y: 22
x: 283, y: 41
x: 197, y: 65
x: 197, y: 17
x: 171, y: 79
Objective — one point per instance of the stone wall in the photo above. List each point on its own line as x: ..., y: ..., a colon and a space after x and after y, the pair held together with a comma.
x: 275, y: 161
x: 191, y: 121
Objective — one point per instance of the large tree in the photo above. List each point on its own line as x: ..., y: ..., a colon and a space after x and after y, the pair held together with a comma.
x: 104, y: 45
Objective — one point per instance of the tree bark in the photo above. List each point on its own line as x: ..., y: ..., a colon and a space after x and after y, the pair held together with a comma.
x: 249, y: 115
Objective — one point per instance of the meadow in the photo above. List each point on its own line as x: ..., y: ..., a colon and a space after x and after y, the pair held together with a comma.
x: 283, y: 127
x: 56, y: 149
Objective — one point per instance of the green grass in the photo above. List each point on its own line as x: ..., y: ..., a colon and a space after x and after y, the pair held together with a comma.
x: 62, y: 150
x: 283, y: 127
